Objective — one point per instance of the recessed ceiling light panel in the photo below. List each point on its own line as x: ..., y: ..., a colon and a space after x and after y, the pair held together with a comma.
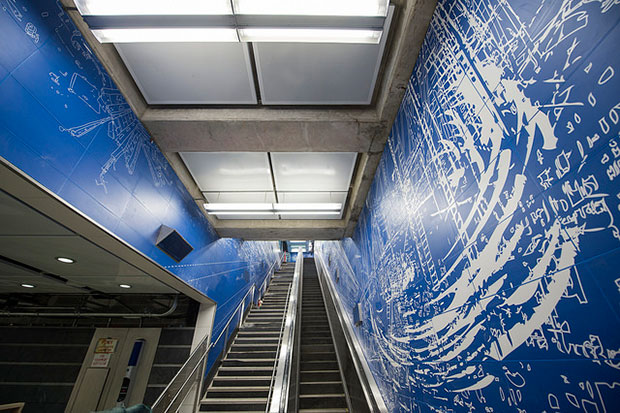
x: 27, y: 285
x: 152, y: 7
x: 124, y: 285
x: 265, y: 208
x: 310, y: 35
x: 65, y: 260
x: 168, y: 34
x: 313, y: 7
x: 308, y: 206
x: 238, y: 206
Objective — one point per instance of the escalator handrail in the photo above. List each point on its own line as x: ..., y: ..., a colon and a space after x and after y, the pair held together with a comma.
x: 280, y: 386
x: 170, y: 399
x: 369, y: 385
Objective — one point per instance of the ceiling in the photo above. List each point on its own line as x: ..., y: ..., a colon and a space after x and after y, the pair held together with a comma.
x: 30, y: 243
x: 249, y: 74
x: 270, y: 98
x: 284, y: 177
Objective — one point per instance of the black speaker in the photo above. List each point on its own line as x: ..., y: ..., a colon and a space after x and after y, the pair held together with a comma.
x: 172, y: 243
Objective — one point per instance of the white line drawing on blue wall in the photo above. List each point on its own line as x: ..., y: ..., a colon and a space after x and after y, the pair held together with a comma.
x: 100, y: 95
x: 498, y: 175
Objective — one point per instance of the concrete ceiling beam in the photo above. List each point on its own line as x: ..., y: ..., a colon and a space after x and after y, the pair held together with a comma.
x: 262, y: 135
x: 283, y: 129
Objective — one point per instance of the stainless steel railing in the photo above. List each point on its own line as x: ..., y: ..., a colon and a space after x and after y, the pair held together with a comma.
x: 280, y: 385
x: 193, y: 370
x: 369, y: 386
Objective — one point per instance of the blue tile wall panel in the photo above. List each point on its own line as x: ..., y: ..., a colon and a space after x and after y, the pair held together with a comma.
x: 64, y: 122
x: 487, y: 255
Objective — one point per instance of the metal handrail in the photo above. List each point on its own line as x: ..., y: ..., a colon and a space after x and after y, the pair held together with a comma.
x: 277, y: 357
x: 176, y: 391
x: 369, y: 385
x: 278, y: 401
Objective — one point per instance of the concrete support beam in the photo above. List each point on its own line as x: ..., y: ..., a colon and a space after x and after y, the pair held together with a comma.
x: 111, y: 60
x: 359, y: 189
x: 411, y: 26
x: 284, y: 129
x: 262, y: 130
x: 282, y: 229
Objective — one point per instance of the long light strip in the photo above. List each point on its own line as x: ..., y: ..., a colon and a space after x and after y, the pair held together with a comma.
x: 308, y: 206
x: 158, y: 35
x: 315, y: 206
x: 273, y: 209
x: 313, y: 7
x: 272, y: 213
x: 214, y: 206
x: 241, y: 213
x: 308, y: 212
x: 152, y: 7
x: 310, y: 35
x: 154, y: 29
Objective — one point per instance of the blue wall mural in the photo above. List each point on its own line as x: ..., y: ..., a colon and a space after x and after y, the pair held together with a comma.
x: 64, y: 122
x: 487, y: 256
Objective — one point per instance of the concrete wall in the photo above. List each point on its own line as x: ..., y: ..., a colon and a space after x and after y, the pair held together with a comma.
x: 64, y: 123
x: 486, y: 258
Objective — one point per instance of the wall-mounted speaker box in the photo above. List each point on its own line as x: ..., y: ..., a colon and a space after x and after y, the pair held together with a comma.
x: 172, y: 243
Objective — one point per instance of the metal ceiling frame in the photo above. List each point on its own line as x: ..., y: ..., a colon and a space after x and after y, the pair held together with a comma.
x: 361, y: 129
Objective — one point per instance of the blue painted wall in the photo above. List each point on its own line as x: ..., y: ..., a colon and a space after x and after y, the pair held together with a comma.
x: 487, y: 256
x: 64, y: 123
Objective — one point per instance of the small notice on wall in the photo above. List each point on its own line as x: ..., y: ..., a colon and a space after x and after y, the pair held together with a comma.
x: 106, y: 345
x: 101, y: 360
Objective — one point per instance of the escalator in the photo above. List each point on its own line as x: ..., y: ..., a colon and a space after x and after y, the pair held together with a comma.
x: 320, y: 384
x: 246, y: 376
x: 243, y: 379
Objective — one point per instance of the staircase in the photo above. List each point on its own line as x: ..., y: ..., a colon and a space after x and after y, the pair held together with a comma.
x: 244, y: 376
x: 320, y: 388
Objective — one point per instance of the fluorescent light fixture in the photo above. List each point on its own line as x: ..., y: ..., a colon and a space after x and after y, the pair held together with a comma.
x: 266, y: 208
x: 308, y: 206
x: 152, y: 7
x: 241, y: 213
x: 27, y: 285
x: 65, y: 260
x: 124, y: 285
x: 237, y: 207
x: 310, y: 35
x: 308, y: 212
x: 313, y: 7
x: 168, y: 34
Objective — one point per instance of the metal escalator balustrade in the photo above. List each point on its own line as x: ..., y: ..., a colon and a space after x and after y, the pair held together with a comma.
x: 190, y: 375
x: 320, y: 388
x: 245, y: 378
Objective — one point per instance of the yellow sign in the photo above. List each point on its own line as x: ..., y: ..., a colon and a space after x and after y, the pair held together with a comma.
x: 106, y: 345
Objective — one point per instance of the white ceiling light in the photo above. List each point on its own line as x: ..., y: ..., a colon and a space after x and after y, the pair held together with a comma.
x: 238, y: 207
x: 317, y: 21
x: 124, y: 285
x: 152, y: 7
x: 242, y: 213
x: 27, y: 285
x: 168, y: 34
x: 313, y: 7
x: 309, y: 212
x: 308, y: 207
x: 310, y: 35
x: 279, y: 208
x: 65, y: 260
